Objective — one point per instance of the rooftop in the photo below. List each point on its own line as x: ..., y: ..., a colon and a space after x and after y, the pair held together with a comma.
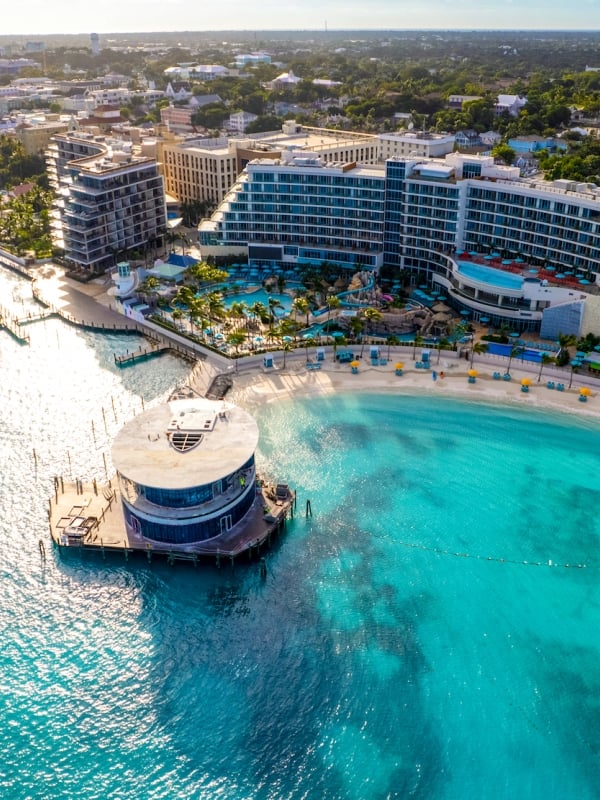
x: 185, y: 443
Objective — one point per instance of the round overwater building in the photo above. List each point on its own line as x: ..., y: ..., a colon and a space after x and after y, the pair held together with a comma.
x: 186, y: 470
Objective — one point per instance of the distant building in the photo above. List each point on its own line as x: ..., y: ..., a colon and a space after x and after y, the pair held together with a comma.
x: 251, y: 59
x: 205, y: 169
x: 532, y: 144
x: 468, y: 138
x: 457, y: 101
x: 95, y: 44
x: 510, y: 104
x: 285, y: 79
x: 490, y: 138
x: 35, y: 137
x: 239, y: 121
x: 415, y: 143
x: 177, y: 118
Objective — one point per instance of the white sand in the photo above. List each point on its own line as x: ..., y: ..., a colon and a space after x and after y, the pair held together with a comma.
x: 254, y: 387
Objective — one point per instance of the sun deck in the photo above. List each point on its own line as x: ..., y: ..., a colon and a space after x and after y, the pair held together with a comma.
x: 90, y: 517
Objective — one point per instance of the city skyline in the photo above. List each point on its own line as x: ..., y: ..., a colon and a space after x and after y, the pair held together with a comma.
x: 62, y: 17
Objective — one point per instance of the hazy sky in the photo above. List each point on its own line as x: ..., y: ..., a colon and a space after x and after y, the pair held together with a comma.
x: 30, y: 17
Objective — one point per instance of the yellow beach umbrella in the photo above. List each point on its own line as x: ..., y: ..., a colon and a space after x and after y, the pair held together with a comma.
x: 585, y: 391
x: 472, y: 373
x: 526, y: 382
x: 399, y: 365
x: 355, y: 364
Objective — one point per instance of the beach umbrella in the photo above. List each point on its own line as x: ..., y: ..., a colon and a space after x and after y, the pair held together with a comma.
x: 355, y: 364
x: 526, y: 382
x: 585, y: 391
x: 472, y: 373
x: 399, y: 365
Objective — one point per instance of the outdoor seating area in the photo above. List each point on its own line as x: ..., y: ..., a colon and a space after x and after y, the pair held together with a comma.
x: 560, y: 387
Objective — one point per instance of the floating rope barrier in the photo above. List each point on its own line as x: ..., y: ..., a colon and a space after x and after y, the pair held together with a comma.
x: 440, y: 551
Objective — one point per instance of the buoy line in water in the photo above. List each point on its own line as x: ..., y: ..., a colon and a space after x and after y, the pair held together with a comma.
x: 440, y: 551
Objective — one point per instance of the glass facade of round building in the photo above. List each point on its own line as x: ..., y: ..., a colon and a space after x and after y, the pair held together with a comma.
x: 181, y: 496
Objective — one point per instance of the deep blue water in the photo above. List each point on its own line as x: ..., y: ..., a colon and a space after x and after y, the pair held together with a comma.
x: 399, y: 646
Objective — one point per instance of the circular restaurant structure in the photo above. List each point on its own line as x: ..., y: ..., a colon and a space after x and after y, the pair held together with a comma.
x: 186, y: 470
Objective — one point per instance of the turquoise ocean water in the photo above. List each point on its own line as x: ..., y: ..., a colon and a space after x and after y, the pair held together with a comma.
x: 376, y: 660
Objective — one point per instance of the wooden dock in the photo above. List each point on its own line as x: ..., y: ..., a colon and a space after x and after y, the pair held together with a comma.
x: 141, y: 354
x: 13, y: 326
x: 89, y: 517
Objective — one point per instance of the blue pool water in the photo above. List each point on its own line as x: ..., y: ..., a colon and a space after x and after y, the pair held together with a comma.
x: 375, y: 661
x: 495, y: 277
x: 505, y: 350
x: 261, y: 296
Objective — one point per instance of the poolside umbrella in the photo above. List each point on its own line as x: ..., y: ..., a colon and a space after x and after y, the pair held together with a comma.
x: 484, y: 320
x: 465, y: 313
x: 337, y: 334
x: 439, y: 306
x: 219, y: 336
x: 287, y: 339
x: 258, y: 339
x: 514, y: 334
x: 580, y: 354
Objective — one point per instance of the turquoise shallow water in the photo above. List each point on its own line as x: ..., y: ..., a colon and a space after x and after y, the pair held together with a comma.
x: 375, y: 661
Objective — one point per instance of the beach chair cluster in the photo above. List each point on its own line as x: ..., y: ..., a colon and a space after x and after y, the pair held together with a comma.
x: 560, y: 387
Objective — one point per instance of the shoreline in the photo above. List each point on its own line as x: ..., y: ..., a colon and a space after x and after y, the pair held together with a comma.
x: 253, y: 388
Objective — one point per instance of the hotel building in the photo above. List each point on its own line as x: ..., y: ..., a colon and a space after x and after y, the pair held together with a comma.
x: 108, y: 200
x: 205, y: 169
x: 417, y: 214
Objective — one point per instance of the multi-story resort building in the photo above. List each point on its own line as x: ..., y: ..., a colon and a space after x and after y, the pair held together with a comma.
x: 205, y: 169
x: 108, y: 200
x: 421, y: 214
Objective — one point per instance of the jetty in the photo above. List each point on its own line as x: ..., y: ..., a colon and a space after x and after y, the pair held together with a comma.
x: 141, y: 354
x: 88, y: 517
x: 13, y: 326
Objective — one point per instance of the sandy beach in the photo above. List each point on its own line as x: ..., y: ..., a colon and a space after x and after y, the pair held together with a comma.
x: 253, y: 386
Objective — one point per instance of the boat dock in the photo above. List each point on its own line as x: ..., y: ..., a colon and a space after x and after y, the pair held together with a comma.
x: 89, y: 517
x: 13, y: 326
x: 141, y: 354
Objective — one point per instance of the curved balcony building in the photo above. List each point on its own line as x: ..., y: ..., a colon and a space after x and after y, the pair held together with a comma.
x: 186, y: 470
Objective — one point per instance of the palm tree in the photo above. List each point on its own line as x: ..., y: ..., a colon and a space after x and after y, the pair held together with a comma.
x: 149, y: 287
x: 392, y: 340
x: 417, y: 342
x: 356, y: 326
x: 545, y: 359
x: 273, y: 305
x: 238, y: 311
x: 333, y: 302
x: 236, y: 339
x: 302, y: 306
x: 565, y: 340
x: 478, y: 347
x: 515, y: 352
x: 372, y: 315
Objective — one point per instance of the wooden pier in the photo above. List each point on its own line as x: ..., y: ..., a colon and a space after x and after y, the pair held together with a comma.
x: 13, y: 326
x: 141, y: 354
x: 89, y: 517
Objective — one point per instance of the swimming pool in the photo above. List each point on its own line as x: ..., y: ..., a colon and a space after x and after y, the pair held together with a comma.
x: 495, y: 277
x: 261, y: 296
x: 497, y: 349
